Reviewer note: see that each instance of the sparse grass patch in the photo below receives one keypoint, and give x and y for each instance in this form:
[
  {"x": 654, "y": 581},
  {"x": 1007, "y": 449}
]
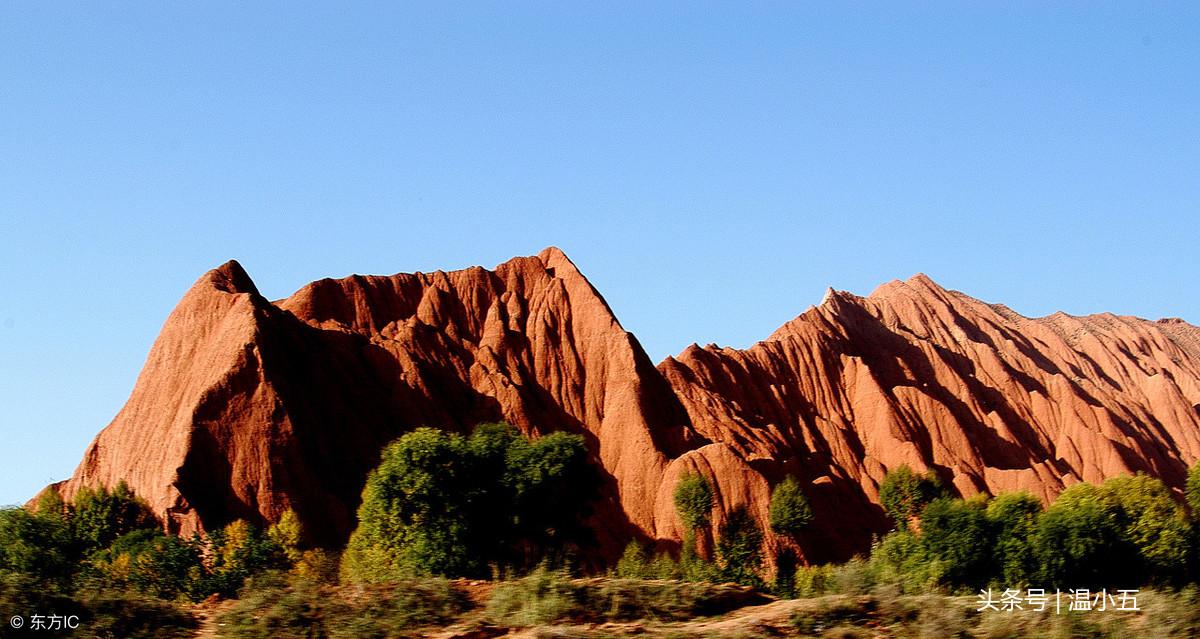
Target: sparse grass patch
[
  {"x": 276, "y": 605},
  {"x": 547, "y": 596}
]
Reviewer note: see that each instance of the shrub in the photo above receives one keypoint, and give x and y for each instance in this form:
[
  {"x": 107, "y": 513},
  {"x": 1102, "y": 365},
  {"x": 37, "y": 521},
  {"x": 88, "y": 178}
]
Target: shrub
[
  {"x": 1014, "y": 520},
  {"x": 789, "y": 510},
  {"x": 901, "y": 558},
  {"x": 693, "y": 500},
  {"x": 1079, "y": 542},
  {"x": 442, "y": 504},
  {"x": 98, "y": 516},
  {"x": 904, "y": 494},
  {"x": 151, "y": 562},
  {"x": 739, "y": 547},
  {"x": 956, "y": 532}
]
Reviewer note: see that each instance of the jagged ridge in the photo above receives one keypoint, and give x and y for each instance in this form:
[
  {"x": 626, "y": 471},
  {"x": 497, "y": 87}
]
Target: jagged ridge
[{"x": 247, "y": 407}]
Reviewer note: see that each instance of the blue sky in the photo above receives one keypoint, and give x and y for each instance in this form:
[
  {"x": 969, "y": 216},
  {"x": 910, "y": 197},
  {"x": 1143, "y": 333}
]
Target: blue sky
[{"x": 711, "y": 167}]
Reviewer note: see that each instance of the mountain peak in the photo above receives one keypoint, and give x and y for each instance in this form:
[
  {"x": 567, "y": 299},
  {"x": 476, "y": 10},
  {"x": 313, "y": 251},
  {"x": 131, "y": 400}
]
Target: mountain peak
[{"x": 232, "y": 278}]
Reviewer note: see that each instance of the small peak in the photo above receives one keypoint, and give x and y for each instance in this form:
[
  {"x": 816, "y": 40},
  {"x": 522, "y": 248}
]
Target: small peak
[
  {"x": 555, "y": 259},
  {"x": 921, "y": 279},
  {"x": 232, "y": 278}
]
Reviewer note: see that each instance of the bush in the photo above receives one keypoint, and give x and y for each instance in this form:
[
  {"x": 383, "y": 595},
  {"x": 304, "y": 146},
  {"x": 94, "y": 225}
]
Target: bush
[
  {"x": 901, "y": 558},
  {"x": 739, "y": 547},
  {"x": 1014, "y": 520},
  {"x": 442, "y": 504},
  {"x": 956, "y": 533},
  {"x": 814, "y": 581},
  {"x": 789, "y": 510},
  {"x": 904, "y": 494},
  {"x": 693, "y": 500},
  {"x": 152, "y": 563},
  {"x": 98, "y": 516}
]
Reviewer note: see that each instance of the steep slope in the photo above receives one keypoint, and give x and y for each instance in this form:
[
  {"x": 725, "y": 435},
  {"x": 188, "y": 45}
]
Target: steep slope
[
  {"x": 915, "y": 374},
  {"x": 248, "y": 407}
]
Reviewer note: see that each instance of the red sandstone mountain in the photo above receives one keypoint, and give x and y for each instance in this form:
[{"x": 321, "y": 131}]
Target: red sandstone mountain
[{"x": 246, "y": 407}]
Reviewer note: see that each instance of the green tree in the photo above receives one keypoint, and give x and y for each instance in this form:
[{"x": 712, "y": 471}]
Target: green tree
[
  {"x": 694, "y": 503},
  {"x": 902, "y": 558},
  {"x": 956, "y": 532},
  {"x": 904, "y": 493},
  {"x": 444, "y": 504},
  {"x": 694, "y": 500},
  {"x": 38, "y": 546},
  {"x": 634, "y": 562},
  {"x": 236, "y": 552},
  {"x": 161, "y": 565},
  {"x": 1080, "y": 542},
  {"x": 98, "y": 516},
  {"x": 1014, "y": 521},
  {"x": 789, "y": 511},
  {"x": 1154, "y": 523},
  {"x": 1192, "y": 490},
  {"x": 739, "y": 547}
]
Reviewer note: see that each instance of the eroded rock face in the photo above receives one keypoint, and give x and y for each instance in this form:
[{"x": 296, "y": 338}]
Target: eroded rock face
[{"x": 247, "y": 407}]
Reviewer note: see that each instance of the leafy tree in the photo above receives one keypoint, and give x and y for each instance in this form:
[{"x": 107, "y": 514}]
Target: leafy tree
[
  {"x": 1079, "y": 540},
  {"x": 38, "y": 546},
  {"x": 902, "y": 558},
  {"x": 634, "y": 562},
  {"x": 288, "y": 535},
  {"x": 98, "y": 516},
  {"x": 739, "y": 547},
  {"x": 444, "y": 504},
  {"x": 694, "y": 500},
  {"x": 904, "y": 493},
  {"x": 1192, "y": 490},
  {"x": 236, "y": 552},
  {"x": 1154, "y": 524},
  {"x": 789, "y": 511},
  {"x": 157, "y": 564},
  {"x": 956, "y": 532},
  {"x": 1014, "y": 521}
]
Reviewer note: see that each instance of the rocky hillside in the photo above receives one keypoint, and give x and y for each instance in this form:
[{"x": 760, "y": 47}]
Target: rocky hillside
[{"x": 248, "y": 407}]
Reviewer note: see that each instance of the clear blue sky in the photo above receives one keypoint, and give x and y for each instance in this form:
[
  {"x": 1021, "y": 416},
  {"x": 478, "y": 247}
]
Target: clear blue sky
[{"x": 712, "y": 168}]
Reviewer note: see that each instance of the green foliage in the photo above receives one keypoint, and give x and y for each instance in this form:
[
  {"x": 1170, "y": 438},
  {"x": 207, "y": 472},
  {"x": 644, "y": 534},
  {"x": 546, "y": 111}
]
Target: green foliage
[
  {"x": 153, "y": 563},
  {"x": 739, "y": 548},
  {"x": 234, "y": 553},
  {"x": 903, "y": 494},
  {"x": 902, "y": 558},
  {"x": 633, "y": 563},
  {"x": 956, "y": 533},
  {"x": 98, "y": 516},
  {"x": 1014, "y": 519},
  {"x": 790, "y": 512},
  {"x": 37, "y": 545},
  {"x": 1192, "y": 490},
  {"x": 443, "y": 504},
  {"x": 813, "y": 581},
  {"x": 694, "y": 500},
  {"x": 1154, "y": 523}
]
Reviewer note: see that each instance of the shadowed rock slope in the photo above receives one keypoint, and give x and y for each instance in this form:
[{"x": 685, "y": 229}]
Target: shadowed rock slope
[{"x": 247, "y": 407}]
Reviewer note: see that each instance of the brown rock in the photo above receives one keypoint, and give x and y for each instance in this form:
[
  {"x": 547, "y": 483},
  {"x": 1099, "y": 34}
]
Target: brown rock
[{"x": 246, "y": 407}]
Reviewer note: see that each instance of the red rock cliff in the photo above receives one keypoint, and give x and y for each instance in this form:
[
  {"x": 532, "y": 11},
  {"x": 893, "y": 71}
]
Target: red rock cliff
[{"x": 246, "y": 408}]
